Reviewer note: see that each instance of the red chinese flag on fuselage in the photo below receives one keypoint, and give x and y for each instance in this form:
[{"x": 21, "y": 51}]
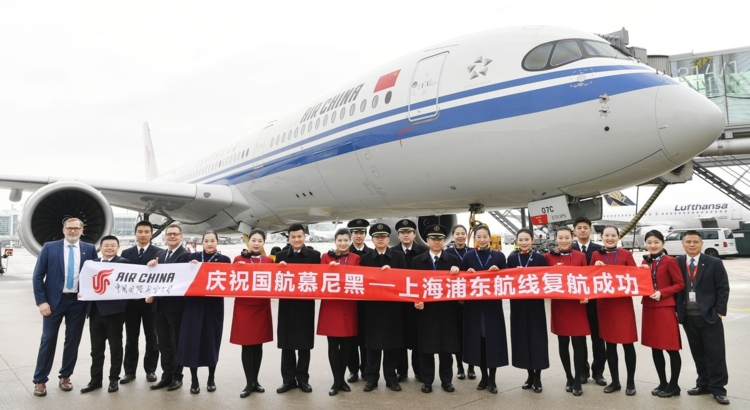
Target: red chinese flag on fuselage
[{"x": 386, "y": 81}]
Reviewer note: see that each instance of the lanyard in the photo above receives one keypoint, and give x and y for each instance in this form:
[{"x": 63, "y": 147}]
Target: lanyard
[
  {"x": 527, "y": 262},
  {"x": 251, "y": 258},
  {"x": 692, "y": 275},
  {"x": 617, "y": 253},
  {"x": 485, "y": 265},
  {"x": 654, "y": 270},
  {"x": 214, "y": 256},
  {"x": 345, "y": 260},
  {"x": 461, "y": 257}
]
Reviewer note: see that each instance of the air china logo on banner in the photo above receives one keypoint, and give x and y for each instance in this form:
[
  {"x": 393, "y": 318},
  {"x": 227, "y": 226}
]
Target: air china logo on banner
[{"x": 100, "y": 282}]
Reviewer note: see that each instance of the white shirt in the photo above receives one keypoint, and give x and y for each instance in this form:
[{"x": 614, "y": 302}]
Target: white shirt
[
  {"x": 688, "y": 257},
  {"x": 360, "y": 249},
  {"x": 581, "y": 244},
  {"x": 432, "y": 255},
  {"x": 76, "y": 266},
  {"x": 405, "y": 248}
]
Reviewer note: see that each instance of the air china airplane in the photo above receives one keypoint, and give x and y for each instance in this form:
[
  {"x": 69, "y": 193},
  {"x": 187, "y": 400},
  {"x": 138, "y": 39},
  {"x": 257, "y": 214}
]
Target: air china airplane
[{"x": 563, "y": 110}]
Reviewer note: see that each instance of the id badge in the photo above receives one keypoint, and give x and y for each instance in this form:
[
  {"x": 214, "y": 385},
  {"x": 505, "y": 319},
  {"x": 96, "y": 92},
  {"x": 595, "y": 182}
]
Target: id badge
[{"x": 691, "y": 296}]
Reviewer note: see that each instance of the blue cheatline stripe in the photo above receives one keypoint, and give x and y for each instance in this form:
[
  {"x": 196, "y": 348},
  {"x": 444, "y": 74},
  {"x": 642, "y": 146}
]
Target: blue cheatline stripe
[
  {"x": 446, "y": 98},
  {"x": 474, "y": 113}
]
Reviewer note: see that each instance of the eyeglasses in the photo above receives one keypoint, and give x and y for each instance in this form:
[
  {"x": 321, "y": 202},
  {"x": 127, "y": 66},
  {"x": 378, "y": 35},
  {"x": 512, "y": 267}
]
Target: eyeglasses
[
  {"x": 72, "y": 229},
  {"x": 173, "y": 234}
]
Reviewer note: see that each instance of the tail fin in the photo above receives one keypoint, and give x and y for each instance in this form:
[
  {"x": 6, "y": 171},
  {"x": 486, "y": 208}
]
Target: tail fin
[
  {"x": 151, "y": 170},
  {"x": 617, "y": 198}
]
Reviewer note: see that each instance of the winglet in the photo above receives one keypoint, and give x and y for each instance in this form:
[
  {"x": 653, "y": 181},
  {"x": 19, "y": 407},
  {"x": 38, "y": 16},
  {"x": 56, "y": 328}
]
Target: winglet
[
  {"x": 617, "y": 198},
  {"x": 151, "y": 170}
]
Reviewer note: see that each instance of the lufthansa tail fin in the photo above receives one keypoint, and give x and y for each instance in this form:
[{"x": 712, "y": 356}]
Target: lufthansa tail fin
[
  {"x": 151, "y": 170},
  {"x": 617, "y": 198}
]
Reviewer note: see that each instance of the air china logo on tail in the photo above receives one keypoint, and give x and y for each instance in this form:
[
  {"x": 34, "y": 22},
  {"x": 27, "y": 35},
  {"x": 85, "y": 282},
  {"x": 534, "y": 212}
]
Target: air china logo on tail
[{"x": 100, "y": 281}]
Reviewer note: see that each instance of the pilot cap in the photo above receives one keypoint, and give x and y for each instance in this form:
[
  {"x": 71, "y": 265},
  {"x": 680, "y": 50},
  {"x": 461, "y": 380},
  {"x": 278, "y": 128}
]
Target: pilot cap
[
  {"x": 436, "y": 231},
  {"x": 380, "y": 230},
  {"x": 406, "y": 225},
  {"x": 358, "y": 225}
]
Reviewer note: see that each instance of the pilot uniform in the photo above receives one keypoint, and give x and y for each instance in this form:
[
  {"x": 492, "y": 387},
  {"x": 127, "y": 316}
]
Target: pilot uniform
[{"x": 358, "y": 354}]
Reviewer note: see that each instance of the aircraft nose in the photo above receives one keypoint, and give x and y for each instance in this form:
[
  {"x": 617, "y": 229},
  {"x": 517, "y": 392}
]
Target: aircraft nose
[{"x": 687, "y": 122}]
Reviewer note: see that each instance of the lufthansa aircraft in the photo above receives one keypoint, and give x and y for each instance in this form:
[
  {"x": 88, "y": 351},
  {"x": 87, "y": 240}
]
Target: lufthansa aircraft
[{"x": 560, "y": 109}]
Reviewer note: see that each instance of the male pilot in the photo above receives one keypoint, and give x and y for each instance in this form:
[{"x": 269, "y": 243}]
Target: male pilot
[
  {"x": 138, "y": 310},
  {"x": 296, "y": 319},
  {"x": 358, "y": 355},
  {"x": 701, "y": 308},
  {"x": 55, "y": 282},
  {"x": 106, "y": 319},
  {"x": 358, "y": 228},
  {"x": 169, "y": 314},
  {"x": 407, "y": 232},
  {"x": 582, "y": 227}
]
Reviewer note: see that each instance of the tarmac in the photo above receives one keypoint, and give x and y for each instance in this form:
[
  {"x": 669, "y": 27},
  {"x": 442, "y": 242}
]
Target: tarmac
[{"x": 21, "y": 327}]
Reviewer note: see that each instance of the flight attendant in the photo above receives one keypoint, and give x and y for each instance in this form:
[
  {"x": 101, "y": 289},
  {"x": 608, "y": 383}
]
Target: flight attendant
[
  {"x": 528, "y": 318},
  {"x": 252, "y": 324},
  {"x": 660, "y": 330},
  {"x": 616, "y": 315},
  {"x": 460, "y": 249},
  {"x": 569, "y": 317},
  {"x": 437, "y": 325},
  {"x": 485, "y": 342},
  {"x": 202, "y": 323},
  {"x": 337, "y": 319},
  {"x": 358, "y": 354}
]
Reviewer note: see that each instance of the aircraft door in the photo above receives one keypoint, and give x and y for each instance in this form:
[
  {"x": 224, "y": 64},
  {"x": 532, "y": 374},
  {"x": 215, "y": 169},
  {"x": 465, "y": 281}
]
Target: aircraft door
[
  {"x": 736, "y": 211},
  {"x": 262, "y": 146},
  {"x": 425, "y": 87}
]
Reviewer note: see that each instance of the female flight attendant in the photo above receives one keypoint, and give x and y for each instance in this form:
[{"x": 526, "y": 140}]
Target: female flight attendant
[
  {"x": 616, "y": 315},
  {"x": 337, "y": 319},
  {"x": 570, "y": 320},
  {"x": 659, "y": 328},
  {"x": 460, "y": 249},
  {"x": 202, "y": 323},
  {"x": 485, "y": 342},
  {"x": 252, "y": 324},
  {"x": 528, "y": 319}
]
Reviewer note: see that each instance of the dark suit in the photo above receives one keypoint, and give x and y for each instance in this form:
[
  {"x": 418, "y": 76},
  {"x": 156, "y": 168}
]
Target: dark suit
[
  {"x": 296, "y": 324},
  {"x": 358, "y": 354},
  {"x": 106, "y": 319},
  {"x": 598, "y": 346},
  {"x": 49, "y": 283},
  {"x": 168, "y": 318},
  {"x": 409, "y": 323},
  {"x": 137, "y": 311},
  {"x": 704, "y": 328}
]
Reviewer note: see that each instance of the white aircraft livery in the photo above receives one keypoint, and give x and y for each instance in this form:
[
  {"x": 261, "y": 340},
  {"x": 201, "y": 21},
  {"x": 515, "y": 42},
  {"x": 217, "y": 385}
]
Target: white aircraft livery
[{"x": 561, "y": 109}]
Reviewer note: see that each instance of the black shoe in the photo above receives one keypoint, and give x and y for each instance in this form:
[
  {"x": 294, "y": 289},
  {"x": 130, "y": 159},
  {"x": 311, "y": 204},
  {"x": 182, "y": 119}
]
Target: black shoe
[
  {"x": 305, "y": 387},
  {"x": 448, "y": 387},
  {"x": 176, "y": 384},
  {"x": 669, "y": 393},
  {"x": 416, "y": 376},
  {"x": 613, "y": 388},
  {"x": 127, "y": 379},
  {"x": 345, "y": 387},
  {"x": 537, "y": 386},
  {"x": 113, "y": 386},
  {"x": 162, "y": 384},
  {"x": 698, "y": 390},
  {"x": 492, "y": 389},
  {"x": 721, "y": 399},
  {"x": 529, "y": 383},
  {"x": 630, "y": 391},
  {"x": 334, "y": 391},
  {"x": 584, "y": 379},
  {"x": 461, "y": 376},
  {"x": 370, "y": 386},
  {"x": 658, "y": 389},
  {"x": 195, "y": 390},
  {"x": 393, "y": 386},
  {"x": 246, "y": 392},
  {"x": 286, "y": 387},
  {"x": 577, "y": 392},
  {"x": 151, "y": 377},
  {"x": 352, "y": 378},
  {"x": 569, "y": 386},
  {"x": 482, "y": 385},
  {"x": 402, "y": 377},
  {"x": 600, "y": 380},
  {"x": 258, "y": 388},
  {"x": 472, "y": 375},
  {"x": 91, "y": 387},
  {"x": 426, "y": 388},
  {"x": 210, "y": 386}
]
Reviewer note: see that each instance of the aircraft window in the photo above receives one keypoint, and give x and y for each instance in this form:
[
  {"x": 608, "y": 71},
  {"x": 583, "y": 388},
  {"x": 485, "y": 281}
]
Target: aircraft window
[
  {"x": 289, "y": 133},
  {"x": 283, "y": 137},
  {"x": 302, "y": 130},
  {"x": 363, "y": 106},
  {"x": 333, "y": 117},
  {"x": 352, "y": 108},
  {"x": 296, "y": 130},
  {"x": 325, "y": 120},
  {"x": 600, "y": 49},
  {"x": 538, "y": 57},
  {"x": 317, "y": 123},
  {"x": 309, "y": 127},
  {"x": 374, "y": 101},
  {"x": 565, "y": 52},
  {"x": 388, "y": 97},
  {"x": 278, "y": 139},
  {"x": 343, "y": 113}
]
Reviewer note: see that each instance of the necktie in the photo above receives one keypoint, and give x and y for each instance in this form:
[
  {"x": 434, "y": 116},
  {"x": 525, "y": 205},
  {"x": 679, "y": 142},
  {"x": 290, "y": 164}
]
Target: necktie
[
  {"x": 169, "y": 255},
  {"x": 140, "y": 252},
  {"x": 436, "y": 259},
  {"x": 583, "y": 248},
  {"x": 71, "y": 266},
  {"x": 692, "y": 267}
]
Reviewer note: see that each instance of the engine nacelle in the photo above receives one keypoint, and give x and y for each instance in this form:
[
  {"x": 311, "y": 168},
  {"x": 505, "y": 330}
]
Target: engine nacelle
[{"x": 44, "y": 211}]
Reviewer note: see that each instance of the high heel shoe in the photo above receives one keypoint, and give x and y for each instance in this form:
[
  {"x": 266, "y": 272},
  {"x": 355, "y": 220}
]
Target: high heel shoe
[
  {"x": 195, "y": 388},
  {"x": 471, "y": 374},
  {"x": 246, "y": 392},
  {"x": 569, "y": 386},
  {"x": 211, "y": 386},
  {"x": 669, "y": 392},
  {"x": 658, "y": 389},
  {"x": 537, "y": 386},
  {"x": 613, "y": 387},
  {"x": 258, "y": 388},
  {"x": 528, "y": 383},
  {"x": 482, "y": 385}
]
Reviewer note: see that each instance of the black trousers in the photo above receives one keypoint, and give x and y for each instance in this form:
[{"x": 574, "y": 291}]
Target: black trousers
[
  {"x": 168, "y": 332},
  {"x": 402, "y": 368},
  {"x": 357, "y": 352},
  {"x": 295, "y": 370},
  {"x": 706, "y": 342},
  {"x": 103, "y": 329},
  {"x": 137, "y": 311},
  {"x": 427, "y": 364},
  {"x": 390, "y": 359},
  {"x": 598, "y": 345},
  {"x": 339, "y": 349}
]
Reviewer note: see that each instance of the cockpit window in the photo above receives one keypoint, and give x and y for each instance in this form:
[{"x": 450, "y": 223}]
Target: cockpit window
[
  {"x": 558, "y": 53},
  {"x": 565, "y": 52}
]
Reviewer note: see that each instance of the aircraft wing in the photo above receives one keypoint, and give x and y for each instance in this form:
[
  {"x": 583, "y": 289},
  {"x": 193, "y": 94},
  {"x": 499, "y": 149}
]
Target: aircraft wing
[
  {"x": 191, "y": 203},
  {"x": 661, "y": 223}
]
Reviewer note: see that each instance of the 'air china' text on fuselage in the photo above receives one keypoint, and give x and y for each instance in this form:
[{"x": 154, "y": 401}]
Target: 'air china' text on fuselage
[{"x": 332, "y": 103}]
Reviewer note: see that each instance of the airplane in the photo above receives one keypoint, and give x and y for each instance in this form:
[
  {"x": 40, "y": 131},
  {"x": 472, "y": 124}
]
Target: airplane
[{"x": 564, "y": 110}]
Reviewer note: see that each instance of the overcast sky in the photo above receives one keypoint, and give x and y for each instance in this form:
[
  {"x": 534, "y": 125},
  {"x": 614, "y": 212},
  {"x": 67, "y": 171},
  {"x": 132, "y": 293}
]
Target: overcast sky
[{"x": 78, "y": 78}]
